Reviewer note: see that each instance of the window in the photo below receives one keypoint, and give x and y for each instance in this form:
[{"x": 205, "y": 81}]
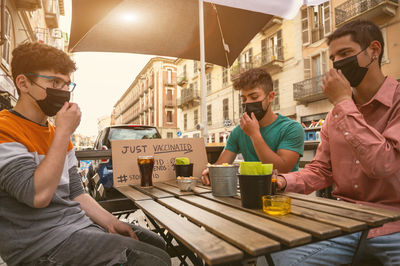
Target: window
[
  {"x": 184, "y": 71},
  {"x": 319, "y": 23},
  {"x": 5, "y": 49},
  {"x": 225, "y": 109},
  {"x": 271, "y": 48},
  {"x": 208, "y": 82},
  {"x": 170, "y": 135},
  {"x": 224, "y": 75},
  {"x": 195, "y": 67},
  {"x": 316, "y": 65},
  {"x": 169, "y": 76},
  {"x": 209, "y": 115},
  {"x": 185, "y": 122},
  {"x": 169, "y": 97},
  {"x": 246, "y": 59},
  {"x": 169, "y": 116},
  {"x": 196, "y": 117},
  {"x": 275, "y": 104}
]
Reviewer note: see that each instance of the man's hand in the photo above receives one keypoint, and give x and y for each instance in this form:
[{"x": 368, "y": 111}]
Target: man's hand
[
  {"x": 336, "y": 87},
  {"x": 249, "y": 125},
  {"x": 118, "y": 227},
  {"x": 68, "y": 118},
  {"x": 205, "y": 179},
  {"x": 280, "y": 180}
]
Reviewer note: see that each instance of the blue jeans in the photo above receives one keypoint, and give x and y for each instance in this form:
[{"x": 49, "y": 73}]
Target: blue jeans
[
  {"x": 93, "y": 246},
  {"x": 340, "y": 250}
]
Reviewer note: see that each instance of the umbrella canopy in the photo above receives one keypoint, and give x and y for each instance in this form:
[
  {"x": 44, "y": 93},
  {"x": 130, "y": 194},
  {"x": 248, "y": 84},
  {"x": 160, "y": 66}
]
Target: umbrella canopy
[{"x": 163, "y": 27}]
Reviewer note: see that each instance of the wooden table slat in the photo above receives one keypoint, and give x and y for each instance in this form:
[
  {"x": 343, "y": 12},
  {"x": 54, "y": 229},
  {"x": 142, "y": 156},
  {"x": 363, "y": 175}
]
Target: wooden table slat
[
  {"x": 211, "y": 248},
  {"x": 251, "y": 242},
  {"x": 132, "y": 193},
  {"x": 284, "y": 234},
  {"x": 317, "y": 229},
  {"x": 372, "y": 220},
  {"x": 347, "y": 205},
  {"x": 346, "y": 224},
  {"x": 153, "y": 192}
]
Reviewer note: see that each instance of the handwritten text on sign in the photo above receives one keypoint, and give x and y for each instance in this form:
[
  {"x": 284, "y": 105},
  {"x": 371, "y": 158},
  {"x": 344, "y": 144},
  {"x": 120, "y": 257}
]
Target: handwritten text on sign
[{"x": 125, "y": 153}]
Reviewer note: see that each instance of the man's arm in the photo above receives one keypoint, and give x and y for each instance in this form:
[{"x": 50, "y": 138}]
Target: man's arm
[
  {"x": 48, "y": 173},
  {"x": 226, "y": 156}
]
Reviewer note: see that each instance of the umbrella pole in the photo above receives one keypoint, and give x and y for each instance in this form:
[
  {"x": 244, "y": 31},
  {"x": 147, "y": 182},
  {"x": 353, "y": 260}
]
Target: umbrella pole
[{"x": 203, "y": 73}]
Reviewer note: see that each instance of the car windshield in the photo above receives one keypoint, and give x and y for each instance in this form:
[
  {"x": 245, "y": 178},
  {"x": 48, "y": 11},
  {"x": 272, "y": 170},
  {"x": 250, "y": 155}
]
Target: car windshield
[{"x": 133, "y": 133}]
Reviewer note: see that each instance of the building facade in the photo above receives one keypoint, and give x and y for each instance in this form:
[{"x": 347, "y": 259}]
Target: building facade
[
  {"x": 151, "y": 99},
  {"x": 26, "y": 20}
]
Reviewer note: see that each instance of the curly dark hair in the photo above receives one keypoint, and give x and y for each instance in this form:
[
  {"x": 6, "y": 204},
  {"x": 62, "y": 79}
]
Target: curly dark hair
[
  {"x": 362, "y": 32},
  {"x": 31, "y": 57},
  {"x": 255, "y": 77}
]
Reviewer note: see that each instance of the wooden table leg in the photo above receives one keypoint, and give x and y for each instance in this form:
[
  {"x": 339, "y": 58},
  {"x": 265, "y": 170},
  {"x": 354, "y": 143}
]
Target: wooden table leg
[{"x": 360, "y": 247}]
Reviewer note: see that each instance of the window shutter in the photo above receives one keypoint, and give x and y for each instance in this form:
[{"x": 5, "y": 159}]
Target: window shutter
[
  {"x": 279, "y": 44},
  {"x": 276, "y": 98},
  {"x": 325, "y": 61},
  {"x": 307, "y": 67},
  {"x": 264, "y": 51},
  {"x": 327, "y": 18},
  {"x": 304, "y": 26}
]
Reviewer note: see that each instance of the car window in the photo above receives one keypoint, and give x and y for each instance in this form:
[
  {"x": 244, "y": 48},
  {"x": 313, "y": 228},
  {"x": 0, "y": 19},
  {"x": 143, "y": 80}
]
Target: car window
[{"x": 133, "y": 133}]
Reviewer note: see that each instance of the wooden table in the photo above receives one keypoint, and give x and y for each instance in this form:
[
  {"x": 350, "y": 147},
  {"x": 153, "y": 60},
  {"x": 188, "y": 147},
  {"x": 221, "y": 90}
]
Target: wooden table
[{"x": 217, "y": 230}]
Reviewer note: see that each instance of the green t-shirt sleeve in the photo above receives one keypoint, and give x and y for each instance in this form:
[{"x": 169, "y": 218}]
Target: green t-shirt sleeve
[
  {"x": 232, "y": 144},
  {"x": 293, "y": 139}
]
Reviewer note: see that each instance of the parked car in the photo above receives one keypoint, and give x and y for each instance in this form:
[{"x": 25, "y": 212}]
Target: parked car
[{"x": 104, "y": 168}]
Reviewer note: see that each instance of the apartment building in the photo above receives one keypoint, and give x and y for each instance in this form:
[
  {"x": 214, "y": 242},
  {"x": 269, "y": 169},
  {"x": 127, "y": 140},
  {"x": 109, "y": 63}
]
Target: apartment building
[
  {"x": 220, "y": 96},
  {"x": 26, "y": 20},
  {"x": 151, "y": 98}
]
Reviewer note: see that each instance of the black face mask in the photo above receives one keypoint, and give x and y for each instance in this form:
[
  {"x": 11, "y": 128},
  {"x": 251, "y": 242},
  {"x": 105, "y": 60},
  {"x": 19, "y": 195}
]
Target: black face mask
[
  {"x": 350, "y": 68},
  {"x": 54, "y": 101},
  {"x": 256, "y": 108}
]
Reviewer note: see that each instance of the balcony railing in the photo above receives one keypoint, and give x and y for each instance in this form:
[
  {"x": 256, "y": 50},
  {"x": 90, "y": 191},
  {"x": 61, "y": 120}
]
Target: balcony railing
[
  {"x": 308, "y": 90},
  {"x": 238, "y": 69},
  {"x": 317, "y": 34},
  {"x": 51, "y": 13},
  {"x": 169, "y": 103},
  {"x": 188, "y": 95},
  {"x": 364, "y": 9},
  {"x": 28, "y": 4}
]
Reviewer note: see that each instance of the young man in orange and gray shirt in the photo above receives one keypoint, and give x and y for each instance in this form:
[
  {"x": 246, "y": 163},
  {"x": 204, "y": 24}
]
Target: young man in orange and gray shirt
[{"x": 359, "y": 150}]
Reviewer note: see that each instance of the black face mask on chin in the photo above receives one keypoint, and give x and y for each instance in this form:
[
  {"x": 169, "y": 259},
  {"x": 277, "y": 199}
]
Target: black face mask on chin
[
  {"x": 256, "y": 108},
  {"x": 350, "y": 68}
]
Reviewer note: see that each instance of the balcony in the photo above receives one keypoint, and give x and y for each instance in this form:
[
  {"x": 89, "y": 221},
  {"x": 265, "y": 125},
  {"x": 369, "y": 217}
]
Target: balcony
[
  {"x": 189, "y": 96},
  {"x": 169, "y": 103},
  {"x": 238, "y": 69},
  {"x": 182, "y": 80},
  {"x": 29, "y": 5},
  {"x": 364, "y": 9},
  {"x": 308, "y": 90},
  {"x": 271, "y": 60},
  {"x": 51, "y": 13}
]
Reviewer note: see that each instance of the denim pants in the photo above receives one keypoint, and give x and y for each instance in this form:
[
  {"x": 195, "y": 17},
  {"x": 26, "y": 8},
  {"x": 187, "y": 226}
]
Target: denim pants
[
  {"x": 94, "y": 246},
  {"x": 340, "y": 250}
]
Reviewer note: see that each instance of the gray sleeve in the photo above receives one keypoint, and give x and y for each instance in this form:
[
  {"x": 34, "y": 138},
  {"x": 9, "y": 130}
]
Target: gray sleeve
[
  {"x": 75, "y": 183},
  {"x": 17, "y": 168}
]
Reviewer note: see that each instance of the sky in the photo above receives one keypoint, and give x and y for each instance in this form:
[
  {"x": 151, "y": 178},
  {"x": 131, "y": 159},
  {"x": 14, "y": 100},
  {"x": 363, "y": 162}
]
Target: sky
[{"x": 101, "y": 78}]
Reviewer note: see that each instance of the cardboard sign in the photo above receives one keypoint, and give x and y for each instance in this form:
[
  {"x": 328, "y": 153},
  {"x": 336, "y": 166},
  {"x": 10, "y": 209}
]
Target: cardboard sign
[{"x": 125, "y": 153}]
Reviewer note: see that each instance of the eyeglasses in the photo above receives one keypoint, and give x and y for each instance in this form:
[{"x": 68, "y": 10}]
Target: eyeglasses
[{"x": 58, "y": 83}]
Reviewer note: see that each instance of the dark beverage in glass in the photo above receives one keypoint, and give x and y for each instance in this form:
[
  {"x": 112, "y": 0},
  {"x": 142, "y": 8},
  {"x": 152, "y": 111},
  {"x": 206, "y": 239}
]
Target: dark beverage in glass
[{"x": 146, "y": 164}]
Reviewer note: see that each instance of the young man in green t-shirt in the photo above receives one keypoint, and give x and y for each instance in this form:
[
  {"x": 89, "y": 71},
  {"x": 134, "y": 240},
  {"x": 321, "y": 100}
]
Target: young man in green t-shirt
[{"x": 262, "y": 135}]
